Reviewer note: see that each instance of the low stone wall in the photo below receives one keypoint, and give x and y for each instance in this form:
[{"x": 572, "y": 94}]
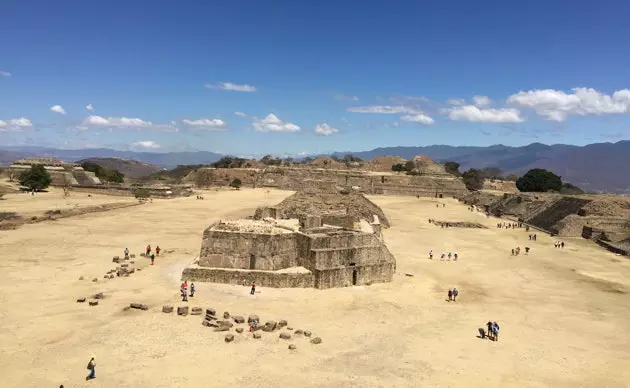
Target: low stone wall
[{"x": 240, "y": 277}]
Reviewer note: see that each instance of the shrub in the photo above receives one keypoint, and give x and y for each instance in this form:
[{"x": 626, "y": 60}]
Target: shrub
[
  {"x": 539, "y": 180},
  {"x": 399, "y": 167},
  {"x": 103, "y": 173},
  {"x": 452, "y": 168},
  {"x": 473, "y": 179},
  {"x": 236, "y": 183},
  {"x": 141, "y": 193},
  {"x": 37, "y": 178}
]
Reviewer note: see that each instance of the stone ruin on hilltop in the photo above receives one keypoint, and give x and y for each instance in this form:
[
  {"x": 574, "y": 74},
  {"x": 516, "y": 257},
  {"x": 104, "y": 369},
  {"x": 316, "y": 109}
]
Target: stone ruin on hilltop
[{"x": 312, "y": 239}]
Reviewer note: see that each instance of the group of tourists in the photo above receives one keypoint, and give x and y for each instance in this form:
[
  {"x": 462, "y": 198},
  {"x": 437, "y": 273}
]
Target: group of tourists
[
  {"x": 151, "y": 255},
  {"x": 444, "y": 256},
  {"x": 452, "y": 294},
  {"x": 492, "y": 331},
  {"x": 509, "y": 225},
  {"x": 517, "y": 251},
  {"x": 559, "y": 244},
  {"x": 184, "y": 290},
  {"x": 200, "y": 197},
  {"x": 532, "y": 236}
]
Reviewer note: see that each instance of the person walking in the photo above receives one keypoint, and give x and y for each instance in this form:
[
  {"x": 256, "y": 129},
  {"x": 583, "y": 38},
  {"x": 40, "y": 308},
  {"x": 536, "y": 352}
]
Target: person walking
[
  {"x": 431, "y": 254},
  {"x": 562, "y": 244},
  {"x": 455, "y": 293},
  {"x": 449, "y": 255},
  {"x": 184, "y": 295},
  {"x": 192, "y": 290},
  {"x": 495, "y": 331},
  {"x": 126, "y": 253},
  {"x": 253, "y": 290},
  {"x": 152, "y": 258},
  {"x": 148, "y": 250},
  {"x": 450, "y": 295},
  {"x": 92, "y": 368},
  {"x": 157, "y": 250}
]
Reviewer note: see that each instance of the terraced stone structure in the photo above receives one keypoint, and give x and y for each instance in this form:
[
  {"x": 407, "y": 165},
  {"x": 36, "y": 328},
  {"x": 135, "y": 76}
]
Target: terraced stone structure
[
  {"x": 61, "y": 173},
  {"x": 307, "y": 246}
]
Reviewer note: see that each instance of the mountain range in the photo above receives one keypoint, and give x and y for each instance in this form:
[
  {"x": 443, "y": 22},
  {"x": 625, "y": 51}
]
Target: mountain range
[{"x": 600, "y": 167}]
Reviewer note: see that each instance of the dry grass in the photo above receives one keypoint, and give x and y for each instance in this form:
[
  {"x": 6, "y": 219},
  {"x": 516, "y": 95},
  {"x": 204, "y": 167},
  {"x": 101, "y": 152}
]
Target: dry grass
[{"x": 564, "y": 314}]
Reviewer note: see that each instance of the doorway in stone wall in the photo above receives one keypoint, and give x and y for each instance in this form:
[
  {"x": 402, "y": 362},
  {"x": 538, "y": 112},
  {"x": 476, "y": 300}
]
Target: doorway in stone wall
[
  {"x": 252, "y": 261},
  {"x": 354, "y": 276}
]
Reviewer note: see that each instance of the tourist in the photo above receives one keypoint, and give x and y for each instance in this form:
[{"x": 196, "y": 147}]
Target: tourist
[
  {"x": 253, "y": 290},
  {"x": 526, "y": 250},
  {"x": 92, "y": 368},
  {"x": 148, "y": 249},
  {"x": 449, "y": 255},
  {"x": 562, "y": 244},
  {"x": 192, "y": 290},
  {"x": 530, "y": 236},
  {"x": 495, "y": 331},
  {"x": 490, "y": 331},
  {"x": 157, "y": 250},
  {"x": 126, "y": 253},
  {"x": 455, "y": 293},
  {"x": 534, "y": 236},
  {"x": 184, "y": 295},
  {"x": 512, "y": 251},
  {"x": 442, "y": 256},
  {"x": 450, "y": 295},
  {"x": 152, "y": 258},
  {"x": 431, "y": 254},
  {"x": 455, "y": 256}
]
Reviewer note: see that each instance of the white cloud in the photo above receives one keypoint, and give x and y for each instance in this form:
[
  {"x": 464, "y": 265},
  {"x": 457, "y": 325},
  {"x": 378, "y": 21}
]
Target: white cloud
[
  {"x": 146, "y": 144},
  {"x": 126, "y": 123},
  {"x": 325, "y": 129},
  {"x": 556, "y": 105},
  {"x": 343, "y": 97},
  {"x": 231, "y": 86},
  {"x": 5, "y": 74},
  {"x": 89, "y": 107},
  {"x": 455, "y": 101},
  {"x": 209, "y": 124},
  {"x": 240, "y": 114},
  {"x": 382, "y": 109},
  {"x": 272, "y": 123},
  {"x": 475, "y": 114},
  {"x": 15, "y": 124},
  {"x": 419, "y": 118},
  {"x": 58, "y": 109},
  {"x": 482, "y": 101}
]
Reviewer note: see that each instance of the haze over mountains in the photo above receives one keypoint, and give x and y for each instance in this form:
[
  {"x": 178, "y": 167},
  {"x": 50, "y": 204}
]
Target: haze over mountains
[{"x": 600, "y": 167}]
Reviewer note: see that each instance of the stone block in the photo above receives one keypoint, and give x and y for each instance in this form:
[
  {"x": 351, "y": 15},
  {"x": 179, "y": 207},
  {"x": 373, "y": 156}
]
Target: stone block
[
  {"x": 239, "y": 330},
  {"x": 229, "y": 337},
  {"x": 209, "y": 323},
  {"x": 270, "y": 326},
  {"x": 285, "y": 336},
  {"x": 238, "y": 319},
  {"x": 211, "y": 311},
  {"x": 95, "y": 280},
  {"x": 225, "y": 323},
  {"x": 98, "y": 296},
  {"x": 196, "y": 311},
  {"x": 253, "y": 318},
  {"x": 257, "y": 335},
  {"x": 222, "y": 328},
  {"x": 167, "y": 309},
  {"x": 292, "y": 347},
  {"x": 226, "y": 315},
  {"x": 282, "y": 323},
  {"x": 81, "y": 300},
  {"x": 93, "y": 303},
  {"x": 139, "y": 306},
  {"x": 182, "y": 310},
  {"x": 307, "y": 333},
  {"x": 316, "y": 340}
]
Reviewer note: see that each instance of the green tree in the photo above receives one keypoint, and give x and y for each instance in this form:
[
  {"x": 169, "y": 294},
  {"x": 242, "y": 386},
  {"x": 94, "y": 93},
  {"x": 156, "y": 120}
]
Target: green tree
[
  {"x": 37, "y": 178},
  {"x": 539, "y": 180},
  {"x": 141, "y": 193},
  {"x": 103, "y": 173},
  {"x": 473, "y": 179},
  {"x": 236, "y": 183},
  {"x": 399, "y": 167},
  {"x": 452, "y": 168},
  {"x": 269, "y": 160},
  {"x": 229, "y": 162}
]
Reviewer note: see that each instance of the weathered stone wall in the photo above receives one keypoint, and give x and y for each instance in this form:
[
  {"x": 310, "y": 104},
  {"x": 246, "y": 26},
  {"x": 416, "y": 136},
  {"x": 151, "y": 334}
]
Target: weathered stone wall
[
  {"x": 345, "y": 277},
  {"x": 239, "y": 277},
  {"x": 235, "y": 249}
]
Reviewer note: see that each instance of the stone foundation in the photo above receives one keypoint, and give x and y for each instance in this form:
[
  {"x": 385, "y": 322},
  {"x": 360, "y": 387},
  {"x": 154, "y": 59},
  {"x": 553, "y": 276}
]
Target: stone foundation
[{"x": 272, "y": 279}]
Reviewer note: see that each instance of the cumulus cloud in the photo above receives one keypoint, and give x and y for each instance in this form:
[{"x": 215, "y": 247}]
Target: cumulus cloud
[
  {"x": 556, "y": 105},
  {"x": 272, "y": 123},
  {"x": 476, "y": 114},
  {"x": 231, "y": 86},
  {"x": 5, "y": 74},
  {"x": 89, "y": 107},
  {"x": 207, "y": 124},
  {"x": 149, "y": 144},
  {"x": 126, "y": 123},
  {"x": 456, "y": 101},
  {"x": 419, "y": 118},
  {"x": 240, "y": 114},
  {"x": 15, "y": 124},
  {"x": 58, "y": 109},
  {"x": 382, "y": 109},
  {"x": 482, "y": 101},
  {"x": 325, "y": 129}
]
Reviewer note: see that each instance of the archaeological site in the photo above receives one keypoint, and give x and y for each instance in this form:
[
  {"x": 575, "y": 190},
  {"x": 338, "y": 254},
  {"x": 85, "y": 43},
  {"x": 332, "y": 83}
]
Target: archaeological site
[{"x": 321, "y": 237}]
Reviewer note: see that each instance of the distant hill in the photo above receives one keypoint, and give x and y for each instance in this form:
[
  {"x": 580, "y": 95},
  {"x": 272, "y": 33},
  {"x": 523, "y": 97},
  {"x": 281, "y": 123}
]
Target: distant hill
[
  {"x": 130, "y": 168},
  {"x": 601, "y": 167}
]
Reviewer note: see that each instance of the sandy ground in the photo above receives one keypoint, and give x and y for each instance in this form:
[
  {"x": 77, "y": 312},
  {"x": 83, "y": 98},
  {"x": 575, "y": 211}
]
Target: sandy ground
[{"x": 564, "y": 315}]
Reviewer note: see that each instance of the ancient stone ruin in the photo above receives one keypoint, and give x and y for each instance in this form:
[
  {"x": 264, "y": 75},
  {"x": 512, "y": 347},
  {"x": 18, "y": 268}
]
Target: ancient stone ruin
[{"x": 319, "y": 237}]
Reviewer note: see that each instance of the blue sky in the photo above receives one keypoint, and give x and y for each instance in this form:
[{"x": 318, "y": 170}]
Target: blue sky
[{"x": 295, "y": 77}]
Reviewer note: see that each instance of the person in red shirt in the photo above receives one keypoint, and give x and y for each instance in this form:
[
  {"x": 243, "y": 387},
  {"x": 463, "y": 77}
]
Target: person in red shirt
[
  {"x": 157, "y": 250},
  {"x": 148, "y": 249}
]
